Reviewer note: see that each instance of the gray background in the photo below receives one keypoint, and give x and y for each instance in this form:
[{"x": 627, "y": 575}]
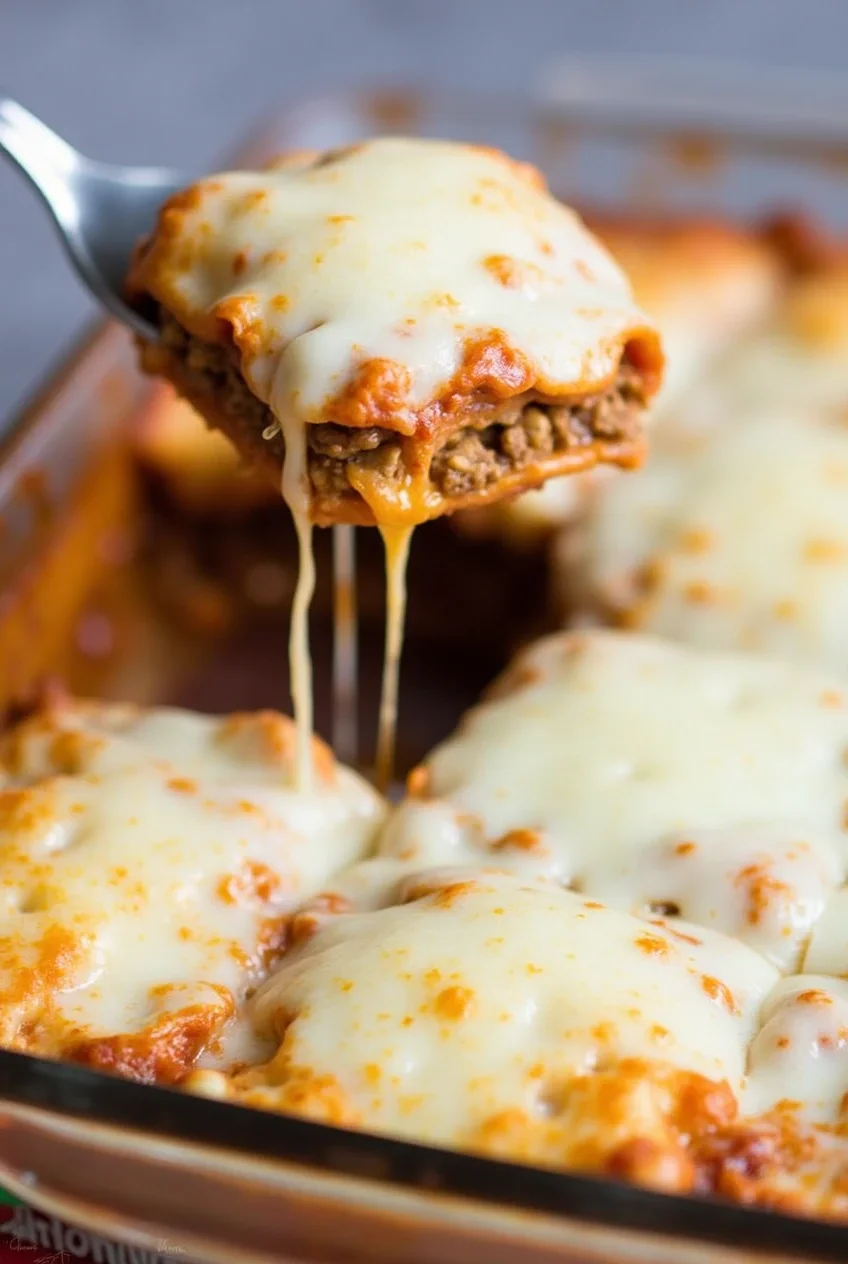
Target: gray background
[{"x": 177, "y": 81}]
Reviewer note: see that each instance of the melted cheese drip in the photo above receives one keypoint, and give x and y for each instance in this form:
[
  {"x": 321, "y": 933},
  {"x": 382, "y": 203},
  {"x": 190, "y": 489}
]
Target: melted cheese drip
[
  {"x": 396, "y": 541},
  {"x": 345, "y": 647},
  {"x": 296, "y": 494}
]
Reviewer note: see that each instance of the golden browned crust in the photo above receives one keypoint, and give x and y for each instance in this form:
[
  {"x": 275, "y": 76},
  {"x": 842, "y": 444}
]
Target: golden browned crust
[{"x": 163, "y": 1052}]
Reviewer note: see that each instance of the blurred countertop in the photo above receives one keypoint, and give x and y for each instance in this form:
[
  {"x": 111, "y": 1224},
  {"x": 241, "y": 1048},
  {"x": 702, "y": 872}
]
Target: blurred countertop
[{"x": 178, "y": 81}]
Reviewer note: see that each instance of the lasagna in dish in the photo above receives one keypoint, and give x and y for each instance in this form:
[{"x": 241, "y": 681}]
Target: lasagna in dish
[
  {"x": 605, "y": 930},
  {"x": 483, "y": 1010},
  {"x": 150, "y": 860},
  {"x": 418, "y": 326},
  {"x": 735, "y": 535},
  {"x": 659, "y": 779},
  {"x": 706, "y": 284}
]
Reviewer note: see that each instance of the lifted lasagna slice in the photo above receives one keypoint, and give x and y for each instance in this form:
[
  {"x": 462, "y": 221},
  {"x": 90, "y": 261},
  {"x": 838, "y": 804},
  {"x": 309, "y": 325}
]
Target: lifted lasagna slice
[
  {"x": 417, "y": 325},
  {"x": 150, "y": 860}
]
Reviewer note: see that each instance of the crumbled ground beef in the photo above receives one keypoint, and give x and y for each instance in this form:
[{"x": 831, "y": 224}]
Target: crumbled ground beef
[{"x": 471, "y": 460}]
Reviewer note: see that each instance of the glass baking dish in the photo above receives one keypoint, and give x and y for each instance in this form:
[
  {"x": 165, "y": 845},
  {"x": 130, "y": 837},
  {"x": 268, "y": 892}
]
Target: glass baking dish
[{"x": 179, "y": 1174}]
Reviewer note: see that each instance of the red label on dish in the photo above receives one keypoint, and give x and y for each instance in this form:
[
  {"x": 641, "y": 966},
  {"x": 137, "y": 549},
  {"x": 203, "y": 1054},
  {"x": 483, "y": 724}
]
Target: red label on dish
[{"x": 28, "y": 1236}]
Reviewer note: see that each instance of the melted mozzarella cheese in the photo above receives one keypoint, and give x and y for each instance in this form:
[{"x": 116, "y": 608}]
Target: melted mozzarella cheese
[
  {"x": 827, "y": 951},
  {"x": 735, "y": 533},
  {"x": 706, "y": 285},
  {"x": 800, "y": 361},
  {"x": 653, "y": 776},
  {"x": 799, "y": 1058},
  {"x": 737, "y": 539},
  {"x": 487, "y": 1010},
  {"x": 149, "y": 861},
  {"x": 399, "y": 254}
]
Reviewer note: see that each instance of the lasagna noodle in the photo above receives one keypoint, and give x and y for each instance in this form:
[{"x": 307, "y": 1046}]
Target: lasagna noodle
[{"x": 151, "y": 860}]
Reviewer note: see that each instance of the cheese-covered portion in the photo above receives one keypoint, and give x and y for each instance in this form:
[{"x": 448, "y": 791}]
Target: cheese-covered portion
[
  {"x": 369, "y": 284},
  {"x": 736, "y": 538},
  {"x": 799, "y": 1058},
  {"x": 148, "y": 864},
  {"x": 788, "y": 1151},
  {"x": 705, "y": 284},
  {"x": 800, "y": 359},
  {"x": 514, "y": 1017},
  {"x": 827, "y": 951},
  {"x": 659, "y": 778},
  {"x": 735, "y": 533}
]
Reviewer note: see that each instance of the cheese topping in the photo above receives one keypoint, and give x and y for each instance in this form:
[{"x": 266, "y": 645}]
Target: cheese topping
[
  {"x": 487, "y": 1010},
  {"x": 706, "y": 285},
  {"x": 800, "y": 361},
  {"x": 363, "y": 285},
  {"x": 827, "y": 951},
  {"x": 652, "y": 776},
  {"x": 735, "y": 533},
  {"x": 736, "y": 540},
  {"x": 800, "y": 1054},
  {"x": 149, "y": 862}
]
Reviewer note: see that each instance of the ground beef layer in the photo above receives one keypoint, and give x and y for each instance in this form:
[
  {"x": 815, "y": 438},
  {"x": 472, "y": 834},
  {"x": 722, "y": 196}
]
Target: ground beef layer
[{"x": 472, "y": 460}]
